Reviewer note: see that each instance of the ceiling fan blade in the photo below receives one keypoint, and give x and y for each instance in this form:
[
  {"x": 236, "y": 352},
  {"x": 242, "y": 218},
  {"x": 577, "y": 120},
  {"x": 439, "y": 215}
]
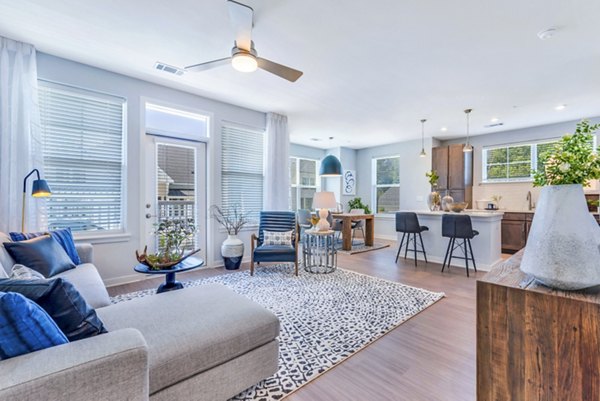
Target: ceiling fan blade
[
  {"x": 280, "y": 70},
  {"x": 208, "y": 65},
  {"x": 242, "y": 20}
]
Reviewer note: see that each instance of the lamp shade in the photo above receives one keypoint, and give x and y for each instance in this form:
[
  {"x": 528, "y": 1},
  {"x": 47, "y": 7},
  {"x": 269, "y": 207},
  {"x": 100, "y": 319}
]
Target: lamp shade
[
  {"x": 330, "y": 166},
  {"x": 40, "y": 189},
  {"x": 324, "y": 200}
]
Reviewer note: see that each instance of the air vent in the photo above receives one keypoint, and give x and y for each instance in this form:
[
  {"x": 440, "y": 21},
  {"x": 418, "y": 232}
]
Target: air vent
[
  {"x": 168, "y": 68},
  {"x": 493, "y": 125}
]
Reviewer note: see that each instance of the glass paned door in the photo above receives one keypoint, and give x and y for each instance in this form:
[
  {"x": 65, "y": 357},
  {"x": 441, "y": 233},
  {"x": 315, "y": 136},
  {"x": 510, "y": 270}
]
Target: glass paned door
[{"x": 176, "y": 190}]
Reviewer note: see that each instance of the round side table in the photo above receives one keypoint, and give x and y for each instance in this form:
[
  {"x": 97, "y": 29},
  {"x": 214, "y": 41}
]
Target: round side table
[
  {"x": 318, "y": 251},
  {"x": 170, "y": 283}
]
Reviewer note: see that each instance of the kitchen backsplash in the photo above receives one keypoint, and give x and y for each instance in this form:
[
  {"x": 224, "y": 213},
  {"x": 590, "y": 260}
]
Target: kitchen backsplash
[{"x": 514, "y": 195}]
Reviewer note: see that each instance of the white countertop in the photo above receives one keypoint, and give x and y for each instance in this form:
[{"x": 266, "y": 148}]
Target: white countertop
[{"x": 468, "y": 212}]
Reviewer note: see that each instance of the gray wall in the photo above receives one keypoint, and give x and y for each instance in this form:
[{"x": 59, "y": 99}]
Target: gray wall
[
  {"x": 306, "y": 152},
  {"x": 115, "y": 256},
  {"x": 414, "y": 187},
  {"x": 514, "y": 195}
]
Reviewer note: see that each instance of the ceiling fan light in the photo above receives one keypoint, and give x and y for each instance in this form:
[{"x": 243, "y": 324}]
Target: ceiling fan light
[{"x": 244, "y": 62}]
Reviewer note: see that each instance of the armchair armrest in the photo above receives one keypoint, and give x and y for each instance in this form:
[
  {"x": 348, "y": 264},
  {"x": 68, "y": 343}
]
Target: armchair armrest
[
  {"x": 85, "y": 252},
  {"x": 109, "y": 366},
  {"x": 253, "y": 242}
]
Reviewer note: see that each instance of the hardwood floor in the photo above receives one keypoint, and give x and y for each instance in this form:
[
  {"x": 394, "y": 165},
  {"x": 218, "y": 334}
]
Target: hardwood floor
[{"x": 431, "y": 357}]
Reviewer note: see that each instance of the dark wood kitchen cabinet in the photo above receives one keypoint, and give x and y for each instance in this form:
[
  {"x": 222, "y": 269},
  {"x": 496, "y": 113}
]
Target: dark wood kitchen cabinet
[
  {"x": 439, "y": 163},
  {"x": 455, "y": 169},
  {"x": 515, "y": 230}
]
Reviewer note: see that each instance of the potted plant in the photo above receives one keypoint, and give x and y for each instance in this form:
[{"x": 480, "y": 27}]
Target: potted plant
[
  {"x": 563, "y": 248},
  {"x": 357, "y": 203},
  {"x": 433, "y": 199},
  {"x": 233, "y": 220},
  {"x": 172, "y": 235}
]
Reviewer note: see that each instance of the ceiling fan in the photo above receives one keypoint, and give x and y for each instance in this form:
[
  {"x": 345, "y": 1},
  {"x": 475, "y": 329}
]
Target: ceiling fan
[{"x": 243, "y": 55}]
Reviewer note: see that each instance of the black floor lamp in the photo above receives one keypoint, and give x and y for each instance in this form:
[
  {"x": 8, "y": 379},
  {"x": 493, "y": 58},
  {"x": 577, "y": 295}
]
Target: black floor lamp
[{"x": 39, "y": 189}]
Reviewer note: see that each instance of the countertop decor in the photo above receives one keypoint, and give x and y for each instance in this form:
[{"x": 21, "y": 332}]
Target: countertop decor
[{"x": 563, "y": 247}]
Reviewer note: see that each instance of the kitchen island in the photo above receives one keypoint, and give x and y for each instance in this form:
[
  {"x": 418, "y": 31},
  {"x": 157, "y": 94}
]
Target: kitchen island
[{"x": 486, "y": 246}]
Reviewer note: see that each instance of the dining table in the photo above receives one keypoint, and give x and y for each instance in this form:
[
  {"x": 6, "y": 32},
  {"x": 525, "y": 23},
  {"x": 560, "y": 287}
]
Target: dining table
[{"x": 347, "y": 219}]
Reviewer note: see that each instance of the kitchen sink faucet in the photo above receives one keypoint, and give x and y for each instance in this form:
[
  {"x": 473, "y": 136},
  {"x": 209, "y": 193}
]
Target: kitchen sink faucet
[{"x": 531, "y": 204}]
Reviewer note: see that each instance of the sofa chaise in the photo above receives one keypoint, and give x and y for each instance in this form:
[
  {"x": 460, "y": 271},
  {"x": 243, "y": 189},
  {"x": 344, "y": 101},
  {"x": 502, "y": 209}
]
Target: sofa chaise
[{"x": 199, "y": 343}]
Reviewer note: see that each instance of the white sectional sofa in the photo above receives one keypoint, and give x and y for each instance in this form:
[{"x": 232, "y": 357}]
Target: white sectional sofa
[{"x": 201, "y": 343}]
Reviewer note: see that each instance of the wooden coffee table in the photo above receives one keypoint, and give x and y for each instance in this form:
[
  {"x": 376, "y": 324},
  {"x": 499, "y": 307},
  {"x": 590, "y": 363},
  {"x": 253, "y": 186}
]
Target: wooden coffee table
[{"x": 170, "y": 283}]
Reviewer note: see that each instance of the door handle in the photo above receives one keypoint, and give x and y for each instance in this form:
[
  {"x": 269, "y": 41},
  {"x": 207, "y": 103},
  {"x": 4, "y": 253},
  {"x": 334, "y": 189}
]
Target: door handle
[{"x": 149, "y": 216}]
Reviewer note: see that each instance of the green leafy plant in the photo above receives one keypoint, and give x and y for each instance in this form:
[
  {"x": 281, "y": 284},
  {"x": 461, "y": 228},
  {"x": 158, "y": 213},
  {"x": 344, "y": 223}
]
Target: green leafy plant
[
  {"x": 172, "y": 237},
  {"x": 357, "y": 203},
  {"x": 571, "y": 160},
  {"x": 432, "y": 177}
]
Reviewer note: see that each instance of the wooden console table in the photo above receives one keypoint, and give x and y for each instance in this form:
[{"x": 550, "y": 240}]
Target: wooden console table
[{"x": 535, "y": 343}]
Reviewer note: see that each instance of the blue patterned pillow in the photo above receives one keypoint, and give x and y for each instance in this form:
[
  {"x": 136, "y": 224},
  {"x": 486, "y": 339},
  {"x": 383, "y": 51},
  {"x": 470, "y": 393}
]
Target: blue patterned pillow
[
  {"x": 63, "y": 236},
  {"x": 25, "y": 327},
  {"x": 278, "y": 237}
]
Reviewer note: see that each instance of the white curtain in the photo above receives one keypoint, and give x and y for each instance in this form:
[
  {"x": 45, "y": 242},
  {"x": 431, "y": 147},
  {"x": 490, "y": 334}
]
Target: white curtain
[
  {"x": 277, "y": 165},
  {"x": 20, "y": 135}
]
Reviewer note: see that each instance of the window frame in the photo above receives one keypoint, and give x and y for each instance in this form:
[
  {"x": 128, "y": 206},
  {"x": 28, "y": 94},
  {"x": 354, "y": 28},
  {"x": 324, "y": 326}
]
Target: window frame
[
  {"x": 99, "y": 236},
  {"x": 375, "y": 186},
  {"x": 533, "y": 161},
  {"x": 299, "y": 186}
]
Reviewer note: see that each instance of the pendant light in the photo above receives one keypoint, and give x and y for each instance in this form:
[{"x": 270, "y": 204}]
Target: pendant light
[
  {"x": 330, "y": 167},
  {"x": 468, "y": 147},
  {"x": 423, "y": 154}
]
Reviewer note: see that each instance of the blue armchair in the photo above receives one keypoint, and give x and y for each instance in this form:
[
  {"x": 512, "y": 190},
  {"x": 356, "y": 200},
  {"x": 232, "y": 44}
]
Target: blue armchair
[{"x": 275, "y": 221}]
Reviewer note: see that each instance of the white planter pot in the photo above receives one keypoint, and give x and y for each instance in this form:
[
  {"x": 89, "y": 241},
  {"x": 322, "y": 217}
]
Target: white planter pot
[
  {"x": 232, "y": 251},
  {"x": 563, "y": 248}
]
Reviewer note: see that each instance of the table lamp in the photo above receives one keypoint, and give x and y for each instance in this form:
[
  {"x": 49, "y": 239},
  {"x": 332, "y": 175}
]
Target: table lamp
[
  {"x": 39, "y": 189},
  {"x": 324, "y": 201}
]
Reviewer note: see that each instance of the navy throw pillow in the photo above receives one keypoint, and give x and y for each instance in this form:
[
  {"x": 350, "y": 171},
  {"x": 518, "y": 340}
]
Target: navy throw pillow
[
  {"x": 42, "y": 254},
  {"x": 61, "y": 300},
  {"x": 63, "y": 236},
  {"x": 25, "y": 327}
]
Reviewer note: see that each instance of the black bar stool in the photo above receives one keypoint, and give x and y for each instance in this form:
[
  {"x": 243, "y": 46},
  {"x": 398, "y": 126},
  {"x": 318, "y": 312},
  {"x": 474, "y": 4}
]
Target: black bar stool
[
  {"x": 407, "y": 223},
  {"x": 458, "y": 226}
]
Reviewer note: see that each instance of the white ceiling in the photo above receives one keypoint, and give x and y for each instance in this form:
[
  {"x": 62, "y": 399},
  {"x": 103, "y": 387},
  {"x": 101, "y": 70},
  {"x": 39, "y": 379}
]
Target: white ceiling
[{"x": 372, "y": 69}]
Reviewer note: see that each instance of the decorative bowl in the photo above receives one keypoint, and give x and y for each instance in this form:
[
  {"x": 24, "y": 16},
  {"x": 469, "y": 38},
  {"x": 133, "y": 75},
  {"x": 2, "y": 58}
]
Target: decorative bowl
[{"x": 457, "y": 206}]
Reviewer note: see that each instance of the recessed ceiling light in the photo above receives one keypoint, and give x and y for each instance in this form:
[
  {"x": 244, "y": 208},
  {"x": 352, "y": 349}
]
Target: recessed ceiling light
[
  {"x": 560, "y": 107},
  {"x": 315, "y": 139},
  {"x": 495, "y": 119},
  {"x": 444, "y": 129},
  {"x": 547, "y": 33}
]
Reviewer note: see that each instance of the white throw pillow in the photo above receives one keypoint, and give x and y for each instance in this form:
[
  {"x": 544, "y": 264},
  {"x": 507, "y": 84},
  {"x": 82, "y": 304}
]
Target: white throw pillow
[
  {"x": 278, "y": 237},
  {"x": 20, "y": 272}
]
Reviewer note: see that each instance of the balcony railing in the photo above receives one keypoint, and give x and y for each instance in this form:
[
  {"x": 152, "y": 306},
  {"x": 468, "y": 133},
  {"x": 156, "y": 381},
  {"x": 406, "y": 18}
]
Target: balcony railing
[{"x": 179, "y": 210}]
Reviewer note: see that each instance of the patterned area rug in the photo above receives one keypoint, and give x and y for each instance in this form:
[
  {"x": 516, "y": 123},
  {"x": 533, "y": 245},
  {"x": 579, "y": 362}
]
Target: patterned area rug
[{"x": 325, "y": 318}]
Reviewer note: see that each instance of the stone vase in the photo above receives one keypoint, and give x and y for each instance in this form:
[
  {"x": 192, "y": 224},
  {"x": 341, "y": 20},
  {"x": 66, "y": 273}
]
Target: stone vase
[
  {"x": 447, "y": 199},
  {"x": 563, "y": 248},
  {"x": 232, "y": 251}
]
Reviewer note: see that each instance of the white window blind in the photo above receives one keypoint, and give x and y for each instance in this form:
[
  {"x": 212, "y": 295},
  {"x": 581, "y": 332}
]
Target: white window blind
[
  {"x": 83, "y": 157},
  {"x": 242, "y": 155}
]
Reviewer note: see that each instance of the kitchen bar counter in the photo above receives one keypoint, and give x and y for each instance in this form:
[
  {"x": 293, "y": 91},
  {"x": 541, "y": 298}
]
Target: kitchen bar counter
[{"x": 486, "y": 246}]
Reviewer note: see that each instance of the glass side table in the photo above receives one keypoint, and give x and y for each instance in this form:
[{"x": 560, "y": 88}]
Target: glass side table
[{"x": 318, "y": 251}]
